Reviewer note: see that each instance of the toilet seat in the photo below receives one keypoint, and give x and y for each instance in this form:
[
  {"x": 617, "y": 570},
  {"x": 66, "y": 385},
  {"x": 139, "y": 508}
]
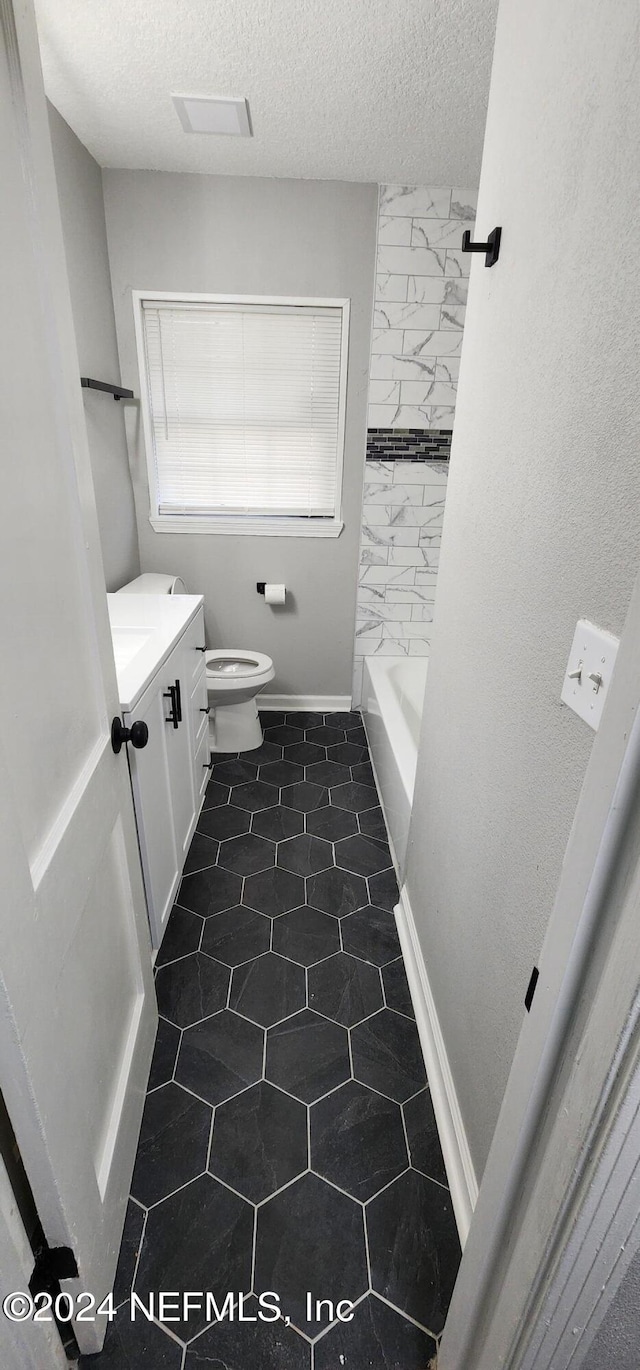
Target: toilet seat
[{"x": 231, "y": 669}]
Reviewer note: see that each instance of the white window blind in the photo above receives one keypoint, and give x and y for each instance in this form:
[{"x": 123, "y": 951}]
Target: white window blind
[{"x": 244, "y": 408}]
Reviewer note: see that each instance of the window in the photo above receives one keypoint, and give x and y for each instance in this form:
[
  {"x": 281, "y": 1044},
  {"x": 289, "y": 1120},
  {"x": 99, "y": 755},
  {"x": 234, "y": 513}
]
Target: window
[{"x": 243, "y": 407}]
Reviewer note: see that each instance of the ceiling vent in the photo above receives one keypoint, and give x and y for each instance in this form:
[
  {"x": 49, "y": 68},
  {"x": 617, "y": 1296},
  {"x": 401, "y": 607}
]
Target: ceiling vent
[{"x": 213, "y": 114}]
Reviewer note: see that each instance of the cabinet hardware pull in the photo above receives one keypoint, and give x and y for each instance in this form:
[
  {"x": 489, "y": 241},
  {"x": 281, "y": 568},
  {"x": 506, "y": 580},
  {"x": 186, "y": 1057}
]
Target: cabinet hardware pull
[
  {"x": 207, "y": 765},
  {"x": 201, "y": 649},
  {"x": 171, "y": 694},
  {"x": 207, "y": 710},
  {"x": 178, "y": 701}
]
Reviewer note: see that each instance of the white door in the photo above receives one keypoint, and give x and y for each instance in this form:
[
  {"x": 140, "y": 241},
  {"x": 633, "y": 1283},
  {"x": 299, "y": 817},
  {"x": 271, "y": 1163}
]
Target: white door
[{"x": 77, "y": 1010}]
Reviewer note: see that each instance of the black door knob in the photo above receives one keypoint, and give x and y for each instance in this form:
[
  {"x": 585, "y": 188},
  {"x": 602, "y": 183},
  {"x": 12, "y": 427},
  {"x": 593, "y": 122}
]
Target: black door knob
[{"x": 137, "y": 734}]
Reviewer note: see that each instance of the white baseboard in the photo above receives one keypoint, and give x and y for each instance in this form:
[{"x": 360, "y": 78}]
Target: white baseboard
[
  {"x": 453, "y": 1138},
  {"x": 323, "y": 704}
]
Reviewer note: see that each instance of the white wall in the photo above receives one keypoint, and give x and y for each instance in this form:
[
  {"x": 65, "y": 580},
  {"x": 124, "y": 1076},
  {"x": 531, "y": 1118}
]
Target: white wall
[
  {"x": 542, "y": 522},
  {"x": 269, "y": 237},
  {"x": 79, "y": 181}
]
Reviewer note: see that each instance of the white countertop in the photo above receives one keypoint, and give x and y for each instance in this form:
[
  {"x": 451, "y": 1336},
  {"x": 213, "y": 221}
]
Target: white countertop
[{"x": 144, "y": 630}]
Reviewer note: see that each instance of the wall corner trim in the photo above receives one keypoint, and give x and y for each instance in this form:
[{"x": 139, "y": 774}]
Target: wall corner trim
[{"x": 453, "y": 1138}]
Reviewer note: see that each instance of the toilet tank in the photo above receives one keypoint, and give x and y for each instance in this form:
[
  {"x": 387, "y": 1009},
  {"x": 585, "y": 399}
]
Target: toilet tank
[{"x": 154, "y": 583}]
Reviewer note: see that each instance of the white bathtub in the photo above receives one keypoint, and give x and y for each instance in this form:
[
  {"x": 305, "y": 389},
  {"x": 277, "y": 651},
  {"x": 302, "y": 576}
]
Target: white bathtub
[{"x": 392, "y": 696}]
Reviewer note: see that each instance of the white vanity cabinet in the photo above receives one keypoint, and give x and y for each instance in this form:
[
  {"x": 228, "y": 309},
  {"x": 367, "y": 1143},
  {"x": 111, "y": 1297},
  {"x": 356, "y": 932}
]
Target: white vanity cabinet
[{"x": 169, "y": 775}]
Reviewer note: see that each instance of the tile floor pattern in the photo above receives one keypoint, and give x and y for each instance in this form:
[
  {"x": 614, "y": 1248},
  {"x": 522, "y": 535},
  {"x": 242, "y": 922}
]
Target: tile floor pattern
[{"x": 288, "y": 1140}]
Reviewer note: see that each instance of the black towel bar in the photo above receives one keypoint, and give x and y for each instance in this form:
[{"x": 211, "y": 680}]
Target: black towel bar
[{"x": 116, "y": 390}]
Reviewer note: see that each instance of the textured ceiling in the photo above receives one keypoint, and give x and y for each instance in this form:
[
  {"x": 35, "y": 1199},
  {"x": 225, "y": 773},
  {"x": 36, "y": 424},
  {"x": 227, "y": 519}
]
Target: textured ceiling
[{"x": 358, "y": 90}]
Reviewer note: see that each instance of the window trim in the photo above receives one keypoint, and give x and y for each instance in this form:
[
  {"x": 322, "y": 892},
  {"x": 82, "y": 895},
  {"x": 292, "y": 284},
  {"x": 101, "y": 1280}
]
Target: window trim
[{"x": 266, "y": 525}]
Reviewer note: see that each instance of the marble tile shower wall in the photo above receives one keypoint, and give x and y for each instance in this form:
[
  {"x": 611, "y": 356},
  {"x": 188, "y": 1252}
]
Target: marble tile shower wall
[
  {"x": 402, "y": 524},
  {"x": 420, "y": 299}
]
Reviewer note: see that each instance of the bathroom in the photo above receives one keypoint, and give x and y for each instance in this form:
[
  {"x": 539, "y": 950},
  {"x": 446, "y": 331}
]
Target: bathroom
[{"x": 310, "y": 795}]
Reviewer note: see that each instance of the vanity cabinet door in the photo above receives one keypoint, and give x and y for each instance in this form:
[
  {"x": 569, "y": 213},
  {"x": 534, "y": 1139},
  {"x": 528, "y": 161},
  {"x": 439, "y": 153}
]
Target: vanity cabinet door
[
  {"x": 170, "y": 774},
  {"x": 183, "y": 798},
  {"x": 152, "y": 781}
]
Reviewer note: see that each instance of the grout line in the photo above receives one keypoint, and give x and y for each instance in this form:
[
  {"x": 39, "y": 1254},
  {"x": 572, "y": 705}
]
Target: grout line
[
  {"x": 213, "y": 1120},
  {"x": 420, "y": 1325},
  {"x": 254, "y": 1242},
  {"x": 406, "y": 1135},
  {"x": 267, "y": 1199}
]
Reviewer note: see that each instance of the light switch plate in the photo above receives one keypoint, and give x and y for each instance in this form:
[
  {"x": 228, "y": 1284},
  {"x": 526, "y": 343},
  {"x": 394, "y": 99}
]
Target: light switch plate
[{"x": 589, "y": 671}]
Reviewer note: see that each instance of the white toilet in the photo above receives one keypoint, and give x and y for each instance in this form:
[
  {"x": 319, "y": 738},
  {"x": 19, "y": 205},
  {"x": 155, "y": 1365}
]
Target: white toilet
[
  {"x": 154, "y": 583},
  {"x": 234, "y": 677}
]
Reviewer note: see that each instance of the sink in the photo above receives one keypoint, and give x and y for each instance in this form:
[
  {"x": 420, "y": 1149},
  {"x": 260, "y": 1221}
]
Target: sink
[
  {"x": 127, "y": 642},
  {"x": 144, "y": 631}
]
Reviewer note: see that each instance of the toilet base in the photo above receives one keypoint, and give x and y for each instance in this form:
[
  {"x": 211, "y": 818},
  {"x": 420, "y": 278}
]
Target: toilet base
[{"x": 235, "y": 727}]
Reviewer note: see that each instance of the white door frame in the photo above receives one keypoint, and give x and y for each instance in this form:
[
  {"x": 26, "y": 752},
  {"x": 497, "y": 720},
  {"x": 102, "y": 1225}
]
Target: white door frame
[{"x": 572, "y": 1091}]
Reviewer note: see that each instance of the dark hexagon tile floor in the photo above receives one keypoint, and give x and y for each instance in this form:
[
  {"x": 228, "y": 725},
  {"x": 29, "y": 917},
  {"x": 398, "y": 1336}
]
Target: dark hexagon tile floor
[
  {"x": 387, "y": 1055},
  {"x": 337, "y": 891},
  {"x": 305, "y": 855},
  {"x": 223, "y": 822},
  {"x": 306, "y": 935},
  {"x": 414, "y": 1248},
  {"x": 345, "y": 989},
  {"x": 376, "y": 1337},
  {"x": 249, "y": 1346},
  {"x": 310, "y": 1238},
  {"x": 164, "y": 1054},
  {"x": 210, "y": 891},
  {"x": 361, "y": 855},
  {"x": 183, "y": 934},
  {"x": 268, "y": 989},
  {"x": 277, "y": 823},
  {"x": 332, "y": 823},
  {"x": 192, "y": 988},
  {"x": 141, "y": 1344},
  {"x": 371, "y": 933},
  {"x": 247, "y": 854},
  {"x": 422, "y": 1135},
  {"x": 200, "y": 1238},
  {"x": 288, "y": 1126},
  {"x": 220, "y": 1056},
  {"x": 173, "y": 1146},
  {"x": 259, "y": 1141},
  {"x": 307, "y": 1055},
  {"x": 357, "y": 1140},
  {"x": 235, "y": 936},
  {"x": 273, "y": 891},
  {"x": 396, "y": 987},
  {"x": 203, "y": 852}
]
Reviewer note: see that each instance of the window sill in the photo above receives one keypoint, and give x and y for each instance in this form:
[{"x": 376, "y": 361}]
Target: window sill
[{"x": 251, "y": 527}]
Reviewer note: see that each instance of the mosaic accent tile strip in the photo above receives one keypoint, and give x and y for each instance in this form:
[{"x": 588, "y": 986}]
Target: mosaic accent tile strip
[{"x": 408, "y": 444}]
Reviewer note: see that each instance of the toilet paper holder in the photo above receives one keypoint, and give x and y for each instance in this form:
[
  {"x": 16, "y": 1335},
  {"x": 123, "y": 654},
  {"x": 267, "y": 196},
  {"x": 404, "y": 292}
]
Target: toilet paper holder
[{"x": 273, "y": 594}]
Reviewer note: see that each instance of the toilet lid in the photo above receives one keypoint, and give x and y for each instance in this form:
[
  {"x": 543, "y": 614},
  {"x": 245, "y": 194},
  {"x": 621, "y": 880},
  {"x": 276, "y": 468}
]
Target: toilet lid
[{"x": 228, "y": 662}]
